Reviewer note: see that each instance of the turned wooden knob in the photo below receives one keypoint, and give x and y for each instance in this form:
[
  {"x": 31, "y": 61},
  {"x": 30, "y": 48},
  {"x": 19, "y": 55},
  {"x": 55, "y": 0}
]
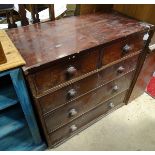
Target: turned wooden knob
[
  {"x": 115, "y": 88},
  {"x": 71, "y": 93},
  {"x": 111, "y": 105},
  {"x": 126, "y": 49},
  {"x": 72, "y": 112},
  {"x": 73, "y": 128},
  {"x": 71, "y": 70},
  {"x": 120, "y": 69}
]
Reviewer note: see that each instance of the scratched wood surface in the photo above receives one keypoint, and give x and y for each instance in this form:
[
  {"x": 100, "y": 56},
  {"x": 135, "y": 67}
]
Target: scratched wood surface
[
  {"x": 14, "y": 59},
  {"x": 40, "y": 44}
]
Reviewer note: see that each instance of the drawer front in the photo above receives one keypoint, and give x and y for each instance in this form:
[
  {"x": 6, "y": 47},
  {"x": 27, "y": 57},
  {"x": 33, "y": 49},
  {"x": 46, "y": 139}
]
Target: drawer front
[
  {"x": 118, "y": 69},
  {"x": 53, "y": 100},
  {"x": 74, "y": 109},
  {"x": 68, "y": 93},
  {"x": 65, "y": 70},
  {"x": 122, "y": 48},
  {"x": 69, "y": 129}
]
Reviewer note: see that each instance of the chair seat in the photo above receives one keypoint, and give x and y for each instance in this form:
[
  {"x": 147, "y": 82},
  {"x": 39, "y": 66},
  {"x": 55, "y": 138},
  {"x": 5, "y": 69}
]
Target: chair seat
[{"x": 4, "y": 7}]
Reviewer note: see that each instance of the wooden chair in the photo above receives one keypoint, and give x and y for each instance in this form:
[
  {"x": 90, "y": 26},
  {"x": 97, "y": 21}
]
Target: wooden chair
[
  {"x": 8, "y": 10},
  {"x": 33, "y": 8}
]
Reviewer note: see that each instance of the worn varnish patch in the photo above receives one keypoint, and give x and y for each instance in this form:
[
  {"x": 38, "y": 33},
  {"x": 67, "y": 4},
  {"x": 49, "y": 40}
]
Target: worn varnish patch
[{"x": 47, "y": 42}]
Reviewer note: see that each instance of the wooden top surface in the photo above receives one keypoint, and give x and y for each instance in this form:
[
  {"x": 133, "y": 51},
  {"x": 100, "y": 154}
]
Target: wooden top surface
[
  {"x": 46, "y": 42},
  {"x": 13, "y": 57}
]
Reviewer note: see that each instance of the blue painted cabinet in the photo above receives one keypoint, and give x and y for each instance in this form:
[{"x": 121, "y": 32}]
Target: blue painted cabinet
[{"x": 18, "y": 127}]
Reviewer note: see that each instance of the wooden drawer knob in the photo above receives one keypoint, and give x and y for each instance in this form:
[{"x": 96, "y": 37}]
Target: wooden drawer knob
[
  {"x": 111, "y": 105},
  {"x": 120, "y": 69},
  {"x": 72, "y": 112},
  {"x": 71, "y": 70},
  {"x": 126, "y": 49},
  {"x": 73, "y": 128},
  {"x": 115, "y": 88},
  {"x": 71, "y": 93}
]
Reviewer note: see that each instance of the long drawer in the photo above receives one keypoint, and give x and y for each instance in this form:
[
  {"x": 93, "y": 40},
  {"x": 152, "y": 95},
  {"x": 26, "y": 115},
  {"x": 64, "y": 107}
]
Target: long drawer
[
  {"x": 122, "y": 48},
  {"x": 72, "y": 110},
  {"x": 86, "y": 119},
  {"x": 66, "y": 94},
  {"x": 64, "y": 70}
]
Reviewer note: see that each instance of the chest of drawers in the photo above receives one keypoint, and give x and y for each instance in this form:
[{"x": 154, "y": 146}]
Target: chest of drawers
[{"x": 80, "y": 69}]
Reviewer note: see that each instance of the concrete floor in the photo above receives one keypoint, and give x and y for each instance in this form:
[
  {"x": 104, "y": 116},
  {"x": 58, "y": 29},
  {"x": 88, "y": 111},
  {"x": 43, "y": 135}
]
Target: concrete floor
[{"x": 131, "y": 127}]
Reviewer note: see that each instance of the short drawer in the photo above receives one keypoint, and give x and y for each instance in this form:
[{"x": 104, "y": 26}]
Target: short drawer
[
  {"x": 86, "y": 119},
  {"x": 72, "y": 110},
  {"x": 118, "y": 69},
  {"x": 64, "y": 70},
  {"x": 122, "y": 48},
  {"x": 68, "y": 93}
]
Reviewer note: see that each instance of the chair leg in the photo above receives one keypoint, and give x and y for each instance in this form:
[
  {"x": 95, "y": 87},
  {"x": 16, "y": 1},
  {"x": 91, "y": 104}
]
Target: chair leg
[
  {"x": 14, "y": 25},
  {"x": 11, "y": 24},
  {"x": 51, "y": 12},
  {"x": 32, "y": 8},
  {"x": 22, "y": 13},
  {"x": 8, "y": 19},
  {"x": 36, "y": 13}
]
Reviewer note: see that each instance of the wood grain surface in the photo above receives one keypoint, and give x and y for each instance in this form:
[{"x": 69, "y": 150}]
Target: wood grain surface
[
  {"x": 13, "y": 57},
  {"x": 85, "y": 120},
  {"x": 2, "y": 55},
  {"x": 103, "y": 54},
  {"x": 44, "y": 43},
  {"x": 144, "y": 12}
]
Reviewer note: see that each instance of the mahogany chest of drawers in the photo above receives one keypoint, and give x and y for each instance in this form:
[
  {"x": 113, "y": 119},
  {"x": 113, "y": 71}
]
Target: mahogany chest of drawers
[{"x": 81, "y": 68}]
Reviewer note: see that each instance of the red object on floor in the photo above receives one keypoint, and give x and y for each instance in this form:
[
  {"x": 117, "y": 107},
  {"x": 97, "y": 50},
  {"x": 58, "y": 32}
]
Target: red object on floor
[{"x": 151, "y": 87}]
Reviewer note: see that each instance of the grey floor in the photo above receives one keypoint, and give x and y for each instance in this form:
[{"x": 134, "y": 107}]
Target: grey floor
[{"x": 131, "y": 127}]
